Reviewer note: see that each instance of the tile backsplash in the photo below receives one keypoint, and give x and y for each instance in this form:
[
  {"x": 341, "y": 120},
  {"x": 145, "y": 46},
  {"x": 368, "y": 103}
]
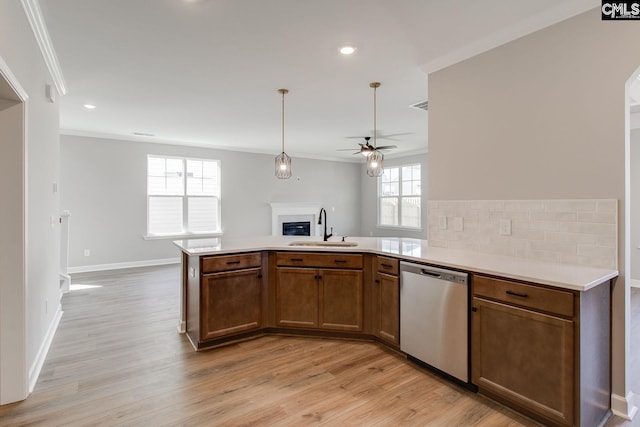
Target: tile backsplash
[{"x": 582, "y": 232}]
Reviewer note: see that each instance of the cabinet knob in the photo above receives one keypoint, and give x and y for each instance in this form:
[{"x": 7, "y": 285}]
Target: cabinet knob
[{"x": 377, "y": 281}]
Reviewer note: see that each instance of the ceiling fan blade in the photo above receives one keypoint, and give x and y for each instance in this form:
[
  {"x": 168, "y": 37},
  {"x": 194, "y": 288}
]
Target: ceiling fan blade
[{"x": 386, "y": 147}]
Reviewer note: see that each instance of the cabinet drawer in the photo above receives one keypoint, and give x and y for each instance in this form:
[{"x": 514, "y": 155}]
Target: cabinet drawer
[
  {"x": 230, "y": 262},
  {"x": 537, "y": 298},
  {"x": 387, "y": 265},
  {"x": 333, "y": 260}
]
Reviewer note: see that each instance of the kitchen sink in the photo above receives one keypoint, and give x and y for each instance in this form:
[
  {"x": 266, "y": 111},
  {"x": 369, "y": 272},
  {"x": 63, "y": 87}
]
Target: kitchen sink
[{"x": 321, "y": 243}]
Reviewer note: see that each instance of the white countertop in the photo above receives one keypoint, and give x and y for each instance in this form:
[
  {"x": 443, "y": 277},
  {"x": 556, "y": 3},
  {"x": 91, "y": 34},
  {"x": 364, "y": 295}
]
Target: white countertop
[{"x": 565, "y": 276}]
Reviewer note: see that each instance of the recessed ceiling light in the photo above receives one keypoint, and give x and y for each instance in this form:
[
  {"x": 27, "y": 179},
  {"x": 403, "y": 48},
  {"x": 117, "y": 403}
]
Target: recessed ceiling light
[
  {"x": 347, "y": 50},
  {"x": 89, "y": 106}
]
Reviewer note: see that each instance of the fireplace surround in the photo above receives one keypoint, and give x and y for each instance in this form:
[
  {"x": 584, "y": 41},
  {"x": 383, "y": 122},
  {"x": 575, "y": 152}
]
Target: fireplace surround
[{"x": 294, "y": 212}]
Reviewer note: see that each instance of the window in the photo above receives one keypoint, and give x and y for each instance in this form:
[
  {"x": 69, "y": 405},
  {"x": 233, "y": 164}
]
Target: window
[
  {"x": 183, "y": 196},
  {"x": 399, "y": 197}
]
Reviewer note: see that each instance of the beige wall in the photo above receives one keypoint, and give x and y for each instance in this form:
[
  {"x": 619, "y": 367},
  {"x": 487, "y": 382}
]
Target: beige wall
[
  {"x": 20, "y": 51},
  {"x": 11, "y": 251},
  {"x": 542, "y": 117}
]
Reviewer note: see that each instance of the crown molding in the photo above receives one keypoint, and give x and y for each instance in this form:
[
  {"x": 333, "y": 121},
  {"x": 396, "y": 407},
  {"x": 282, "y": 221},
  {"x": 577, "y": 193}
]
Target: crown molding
[
  {"x": 551, "y": 16},
  {"x": 39, "y": 28}
]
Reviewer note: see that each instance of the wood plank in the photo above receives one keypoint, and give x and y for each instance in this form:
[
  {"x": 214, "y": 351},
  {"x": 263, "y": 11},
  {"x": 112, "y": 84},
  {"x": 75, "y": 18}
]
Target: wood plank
[{"x": 117, "y": 360}]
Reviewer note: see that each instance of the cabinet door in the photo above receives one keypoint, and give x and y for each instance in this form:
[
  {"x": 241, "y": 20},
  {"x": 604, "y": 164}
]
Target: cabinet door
[
  {"x": 388, "y": 308},
  {"x": 341, "y": 303},
  {"x": 230, "y": 302},
  {"x": 297, "y": 297},
  {"x": 525, "y": 358}
]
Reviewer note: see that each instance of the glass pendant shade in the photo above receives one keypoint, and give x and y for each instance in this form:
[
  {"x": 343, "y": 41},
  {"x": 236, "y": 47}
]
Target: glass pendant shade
[
  {"x": 374, "y": 157},
  {"x": 283, "y": 166},
  {"x": 374, "y": 164}
]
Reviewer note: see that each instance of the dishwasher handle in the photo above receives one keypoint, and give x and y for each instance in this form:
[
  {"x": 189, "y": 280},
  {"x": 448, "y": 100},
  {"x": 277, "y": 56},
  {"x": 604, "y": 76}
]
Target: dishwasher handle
[{"x": 433, "y": 272}]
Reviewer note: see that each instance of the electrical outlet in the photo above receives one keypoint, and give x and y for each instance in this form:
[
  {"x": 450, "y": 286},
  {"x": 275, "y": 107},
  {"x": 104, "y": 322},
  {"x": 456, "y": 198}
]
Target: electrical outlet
[
  {"x": 87, "y": 252},
  {"x": 505, "y": 227},
  {"x": 442, "y": 222},
  {"x": 458, "y": 223}
]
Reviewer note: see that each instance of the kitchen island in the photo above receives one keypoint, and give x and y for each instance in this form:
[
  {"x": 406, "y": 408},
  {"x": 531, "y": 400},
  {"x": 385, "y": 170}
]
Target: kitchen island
[{"x": 539, "y": 332}]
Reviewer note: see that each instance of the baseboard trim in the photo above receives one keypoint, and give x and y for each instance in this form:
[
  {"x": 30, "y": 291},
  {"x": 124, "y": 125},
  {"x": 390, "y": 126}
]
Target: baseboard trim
[
  {"x": 121, "y": 265},
  {"x": 34, "y": 371},
  {"x": 623, "y": 407},
  {"x": 182, "y": 327},
  {"x": 635, "y": 283}
]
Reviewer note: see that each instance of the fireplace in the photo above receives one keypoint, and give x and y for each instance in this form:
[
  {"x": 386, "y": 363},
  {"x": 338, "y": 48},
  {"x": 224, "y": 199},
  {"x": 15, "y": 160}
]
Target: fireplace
[
  {"x": 300, "y": 218},
  {"x": 296, "y": 228}
]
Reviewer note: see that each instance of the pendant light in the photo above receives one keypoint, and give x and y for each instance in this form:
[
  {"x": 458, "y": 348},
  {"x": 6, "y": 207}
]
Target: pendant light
[
  {"x": 283, "y": 161},
  {"x": 375, "y": 159}
]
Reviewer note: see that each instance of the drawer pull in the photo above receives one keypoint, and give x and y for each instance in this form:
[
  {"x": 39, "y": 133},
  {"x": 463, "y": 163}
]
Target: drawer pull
[
  {"x": 340, "y": 261},
  {"x": 517, "y": 294},
  {"x": 387, "y": 265},
  {"x": 233, "y": 262},
  {"x": 296, "y": 259}
]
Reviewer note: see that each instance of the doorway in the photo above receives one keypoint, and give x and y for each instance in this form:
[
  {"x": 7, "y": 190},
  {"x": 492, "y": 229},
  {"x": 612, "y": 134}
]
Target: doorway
[
  {"x": 632, "y": 236},
  {"x": 13, "y": 370}
]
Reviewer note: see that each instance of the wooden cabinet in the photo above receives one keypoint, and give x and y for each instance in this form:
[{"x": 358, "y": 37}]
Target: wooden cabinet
[
  {"x": 341, "y": 300},
  {"x": 297, "y": 297},
  {"x": 227, "y": 297},
  {"x": 387, "y": 300},
  {"x": 526, "y": 350},
  {"x": 230, "y": 302},
  {"x": 322, "y": 291}
]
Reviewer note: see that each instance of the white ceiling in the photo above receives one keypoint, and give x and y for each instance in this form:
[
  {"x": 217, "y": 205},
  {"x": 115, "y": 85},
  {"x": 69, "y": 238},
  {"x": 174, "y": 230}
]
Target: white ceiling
[{"x": 207, "y": 72}]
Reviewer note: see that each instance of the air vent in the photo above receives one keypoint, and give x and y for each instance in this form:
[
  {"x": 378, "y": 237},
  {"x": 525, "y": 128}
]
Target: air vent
[{"x": 422, "y": 105}]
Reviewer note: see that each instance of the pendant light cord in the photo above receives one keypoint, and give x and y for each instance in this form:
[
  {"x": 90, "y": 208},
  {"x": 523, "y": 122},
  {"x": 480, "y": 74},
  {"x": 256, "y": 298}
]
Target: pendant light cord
[
  {"x": 375, "y": 133},
  {"x": 283, "y": 92},
  {"x": 375, "y": 86}
]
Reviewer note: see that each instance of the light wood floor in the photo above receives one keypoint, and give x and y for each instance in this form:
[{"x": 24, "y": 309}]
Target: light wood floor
[{"x": 118, "y": 360}]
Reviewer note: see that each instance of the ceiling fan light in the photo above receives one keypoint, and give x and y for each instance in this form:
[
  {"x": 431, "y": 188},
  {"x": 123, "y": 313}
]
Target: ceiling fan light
[{"x": 375, "y": 164}]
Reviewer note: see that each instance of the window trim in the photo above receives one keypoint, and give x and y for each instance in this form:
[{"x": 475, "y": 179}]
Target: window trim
[
  {"x": 185, "y": 197},
  {"x": 399, "y": 197}
]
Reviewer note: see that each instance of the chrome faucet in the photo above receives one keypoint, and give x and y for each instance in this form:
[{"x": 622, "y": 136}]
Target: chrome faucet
[{"x": 325, "y": 236}]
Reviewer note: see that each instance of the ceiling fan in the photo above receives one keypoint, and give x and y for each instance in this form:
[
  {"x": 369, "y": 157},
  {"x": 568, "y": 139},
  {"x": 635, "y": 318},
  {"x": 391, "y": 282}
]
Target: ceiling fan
[{"x": 367, "y": 149}]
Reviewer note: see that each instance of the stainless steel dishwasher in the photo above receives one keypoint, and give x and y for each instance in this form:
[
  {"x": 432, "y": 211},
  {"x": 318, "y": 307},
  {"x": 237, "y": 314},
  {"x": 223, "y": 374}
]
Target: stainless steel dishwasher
[{"x": 434, "y": 317}]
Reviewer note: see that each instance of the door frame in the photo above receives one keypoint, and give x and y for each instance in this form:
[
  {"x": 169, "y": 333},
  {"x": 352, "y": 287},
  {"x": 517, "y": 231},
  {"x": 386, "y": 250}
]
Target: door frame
[{"x": 14, "y": 382}]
